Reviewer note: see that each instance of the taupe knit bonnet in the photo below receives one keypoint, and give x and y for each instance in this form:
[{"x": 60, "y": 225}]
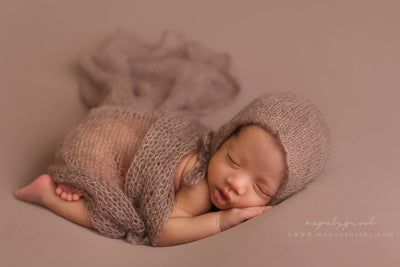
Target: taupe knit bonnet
[{"x": 298, "y": 126}]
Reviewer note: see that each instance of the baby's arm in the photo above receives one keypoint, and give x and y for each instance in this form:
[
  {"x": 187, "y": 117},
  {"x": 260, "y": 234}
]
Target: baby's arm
[{"x": 179, "y": 230}]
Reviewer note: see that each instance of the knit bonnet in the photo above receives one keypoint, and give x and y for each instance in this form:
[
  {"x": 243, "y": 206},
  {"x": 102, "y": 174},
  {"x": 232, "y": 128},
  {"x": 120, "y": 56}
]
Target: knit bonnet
[{"x": 299, "y": 128}]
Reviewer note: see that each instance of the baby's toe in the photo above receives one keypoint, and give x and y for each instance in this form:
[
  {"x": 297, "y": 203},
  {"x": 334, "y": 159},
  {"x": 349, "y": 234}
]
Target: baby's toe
[
  {"x": 75, "y": 197},
  {"x": 69, "y": 197},
  {"x": 64, "y": 195},
  {"x": 59, "y": 190}
]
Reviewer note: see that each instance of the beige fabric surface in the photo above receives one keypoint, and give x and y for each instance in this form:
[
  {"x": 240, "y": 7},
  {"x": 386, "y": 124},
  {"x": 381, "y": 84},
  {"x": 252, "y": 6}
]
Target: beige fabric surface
[{"x": 343, "y": 55}]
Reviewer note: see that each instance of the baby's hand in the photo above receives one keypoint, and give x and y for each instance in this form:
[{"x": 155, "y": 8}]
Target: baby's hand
[
  {"x": 232, "y": 217},
  {"x": 67, "y": 193}
]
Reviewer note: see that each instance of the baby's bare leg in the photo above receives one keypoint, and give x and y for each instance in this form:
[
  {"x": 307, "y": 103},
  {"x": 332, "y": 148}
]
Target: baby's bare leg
[{"x": 42, "y": 191}]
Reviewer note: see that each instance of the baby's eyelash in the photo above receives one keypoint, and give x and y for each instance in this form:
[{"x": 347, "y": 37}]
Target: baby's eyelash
[
  {"x": 231, "y": 160},
  {"x": 259, "y": 188}
]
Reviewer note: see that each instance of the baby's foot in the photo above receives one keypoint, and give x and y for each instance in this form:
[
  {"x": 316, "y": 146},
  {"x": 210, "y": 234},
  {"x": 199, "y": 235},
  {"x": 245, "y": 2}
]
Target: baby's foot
[
  {"x": 35, "y": 191},
  {"x": 67, "y": 193}
]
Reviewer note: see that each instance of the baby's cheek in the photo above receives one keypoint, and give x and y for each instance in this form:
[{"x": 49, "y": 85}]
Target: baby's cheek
[{"x": 212, "y": 173}]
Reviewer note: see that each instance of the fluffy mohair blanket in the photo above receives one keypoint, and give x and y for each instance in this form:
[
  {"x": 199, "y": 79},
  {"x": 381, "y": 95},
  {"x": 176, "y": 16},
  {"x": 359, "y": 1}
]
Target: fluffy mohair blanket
[{"x": 124, "y": 155}]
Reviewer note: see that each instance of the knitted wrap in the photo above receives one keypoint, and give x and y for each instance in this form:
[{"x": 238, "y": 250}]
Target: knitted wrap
[
  {"x": 173, "y": 74},
  {"x": 300, "y": 129},
  {"x": 125, "y": 161},
  {"x": 125, "y": 154}
]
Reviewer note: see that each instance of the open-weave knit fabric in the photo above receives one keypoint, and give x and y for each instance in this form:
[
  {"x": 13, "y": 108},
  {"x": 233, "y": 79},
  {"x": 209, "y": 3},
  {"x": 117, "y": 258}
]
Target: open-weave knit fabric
[
  {"x": 173, "y": 74},
  {"x": 124, "y": 155},
  {"x": 125, "y": 161}
]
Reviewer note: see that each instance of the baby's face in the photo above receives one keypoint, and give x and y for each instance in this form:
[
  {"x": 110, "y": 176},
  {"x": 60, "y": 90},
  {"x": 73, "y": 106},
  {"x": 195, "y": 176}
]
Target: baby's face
[{"x": 246, "y": 170}]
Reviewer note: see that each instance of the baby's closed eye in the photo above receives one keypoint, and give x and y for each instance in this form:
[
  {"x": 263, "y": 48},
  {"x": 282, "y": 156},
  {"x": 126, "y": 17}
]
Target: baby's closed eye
[{"x": 229, "y": 157}]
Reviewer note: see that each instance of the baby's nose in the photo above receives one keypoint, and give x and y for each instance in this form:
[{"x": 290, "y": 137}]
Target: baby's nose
[{"x": 239, "y": 183}]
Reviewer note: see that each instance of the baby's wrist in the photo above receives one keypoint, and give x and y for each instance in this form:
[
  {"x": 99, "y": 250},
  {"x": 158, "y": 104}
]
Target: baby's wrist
[{"x": 218, "y": 220}]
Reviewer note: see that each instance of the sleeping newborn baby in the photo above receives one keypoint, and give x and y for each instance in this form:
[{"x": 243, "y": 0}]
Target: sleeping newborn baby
[
  {"x": 137, "y": 168},
  {"x": 161, "y": 179}
]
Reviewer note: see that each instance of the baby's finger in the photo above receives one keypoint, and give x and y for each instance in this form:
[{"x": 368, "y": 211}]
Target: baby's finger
[
  {"x": 266, "y": 208},
  {"x": 255, "y": 211}
]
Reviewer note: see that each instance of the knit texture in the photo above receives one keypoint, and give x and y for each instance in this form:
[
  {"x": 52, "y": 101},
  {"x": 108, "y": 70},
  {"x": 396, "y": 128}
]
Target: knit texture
[
  {"x": 300, "y": 129},
  {"x": 125, "y": 161},
  {"x": 173, "y": 74},
  {"x": 124, "y": 155}
]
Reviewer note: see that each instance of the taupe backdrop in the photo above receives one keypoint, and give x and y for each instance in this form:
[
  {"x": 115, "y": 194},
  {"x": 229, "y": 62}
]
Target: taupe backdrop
[{"x": 342, "y": 55}]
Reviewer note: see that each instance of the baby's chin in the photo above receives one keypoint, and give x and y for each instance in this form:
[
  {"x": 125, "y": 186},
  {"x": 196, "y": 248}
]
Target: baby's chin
[{"x": 215, "y": 203}]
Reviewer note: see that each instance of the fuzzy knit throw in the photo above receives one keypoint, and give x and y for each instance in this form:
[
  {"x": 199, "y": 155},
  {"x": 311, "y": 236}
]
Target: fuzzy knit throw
[
  {"x": 125, "y": 161},
  {"x": 173, "y": 74},
  {"x": 124, "y": 155}
]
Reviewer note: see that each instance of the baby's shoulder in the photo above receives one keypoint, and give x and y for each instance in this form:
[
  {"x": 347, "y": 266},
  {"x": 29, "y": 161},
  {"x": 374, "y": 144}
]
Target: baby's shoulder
[{"x": 192, "y": 201}]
